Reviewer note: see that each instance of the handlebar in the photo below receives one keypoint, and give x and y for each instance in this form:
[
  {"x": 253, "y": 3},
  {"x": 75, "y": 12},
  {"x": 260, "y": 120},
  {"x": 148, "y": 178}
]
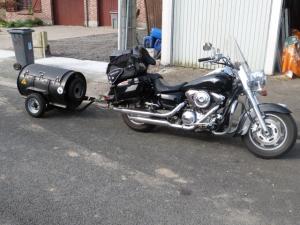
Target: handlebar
[
  {"x": 205, "y": 59},
  {"x": 221, "y": 60}
]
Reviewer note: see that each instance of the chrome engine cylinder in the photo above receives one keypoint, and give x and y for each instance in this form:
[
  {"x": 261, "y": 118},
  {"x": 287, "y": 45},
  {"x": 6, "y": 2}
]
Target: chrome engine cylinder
[
  {"x": 200, "y": 99},
  {"x": 189, "y": 118}
]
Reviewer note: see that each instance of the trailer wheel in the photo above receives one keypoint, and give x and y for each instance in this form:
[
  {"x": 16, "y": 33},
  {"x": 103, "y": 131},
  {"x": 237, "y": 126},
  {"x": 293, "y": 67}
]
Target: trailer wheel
[{"x": 35, "y": 105}]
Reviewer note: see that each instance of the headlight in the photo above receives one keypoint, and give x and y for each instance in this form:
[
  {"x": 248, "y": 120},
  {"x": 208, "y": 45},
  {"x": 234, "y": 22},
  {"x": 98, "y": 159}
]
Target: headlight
[{"x": 257, "y": 81}]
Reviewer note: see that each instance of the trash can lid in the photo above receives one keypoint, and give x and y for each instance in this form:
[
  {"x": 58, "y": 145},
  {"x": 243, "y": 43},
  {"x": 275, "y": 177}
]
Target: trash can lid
[{"x": 20, "y": 31}]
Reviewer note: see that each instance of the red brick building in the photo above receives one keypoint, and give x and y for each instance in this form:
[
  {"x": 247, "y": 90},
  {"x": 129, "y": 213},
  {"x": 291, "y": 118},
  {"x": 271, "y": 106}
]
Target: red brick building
[
  {"x": 141, "y": 20},
  {"x": 90, "y": 13},
  {"x": 26, "y": 9}
]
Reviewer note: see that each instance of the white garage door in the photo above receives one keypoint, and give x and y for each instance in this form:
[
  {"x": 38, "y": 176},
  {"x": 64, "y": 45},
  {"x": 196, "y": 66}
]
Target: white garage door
[{"x": 200, "y": 21}]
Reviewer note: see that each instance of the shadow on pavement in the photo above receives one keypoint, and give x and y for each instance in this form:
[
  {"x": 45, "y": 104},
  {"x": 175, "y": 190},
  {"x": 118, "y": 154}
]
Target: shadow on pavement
[
  {"x": 102, "y": 114},
  {"x": 223, "y": 140}
]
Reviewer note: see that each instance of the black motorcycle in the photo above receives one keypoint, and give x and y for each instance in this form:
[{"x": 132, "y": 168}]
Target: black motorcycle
[{"x": 223, "y": 102}]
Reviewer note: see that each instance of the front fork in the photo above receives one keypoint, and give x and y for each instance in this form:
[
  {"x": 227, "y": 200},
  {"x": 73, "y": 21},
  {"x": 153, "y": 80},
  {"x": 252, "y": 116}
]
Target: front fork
[
  {"x": 252, "y": 99},
  {"x": 254, "y": 103}
]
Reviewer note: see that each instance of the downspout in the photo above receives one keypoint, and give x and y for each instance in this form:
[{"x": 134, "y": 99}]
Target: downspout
[
  {"x": 127, "y": 20},
  {"x": 172, "y": 33},
  {"x": 87, "y": 12},
  {"x": 121, "y": 24}
]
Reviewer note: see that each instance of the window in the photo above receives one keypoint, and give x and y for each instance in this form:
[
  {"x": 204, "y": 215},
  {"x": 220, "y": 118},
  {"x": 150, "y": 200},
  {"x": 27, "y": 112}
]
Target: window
[
  {"x": 24, "y": 4},
  {"x": 2, "y": 4},
  {"x": 33, "y": 6},
  {"x": 16, "y": 5}
]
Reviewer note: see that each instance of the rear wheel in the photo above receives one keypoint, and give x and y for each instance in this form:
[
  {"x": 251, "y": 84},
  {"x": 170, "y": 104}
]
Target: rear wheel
[
  {"x": 281, "y": 138},
  {"x": 141, "y": 127}
]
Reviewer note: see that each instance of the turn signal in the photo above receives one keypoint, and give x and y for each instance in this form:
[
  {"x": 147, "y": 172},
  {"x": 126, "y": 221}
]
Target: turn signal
[{"x": 263, "y": 92}]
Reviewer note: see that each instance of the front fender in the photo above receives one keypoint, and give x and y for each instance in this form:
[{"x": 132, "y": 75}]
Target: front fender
[
  {"x": 272, "y": 107},
  {"x": 245, "y": 122}
]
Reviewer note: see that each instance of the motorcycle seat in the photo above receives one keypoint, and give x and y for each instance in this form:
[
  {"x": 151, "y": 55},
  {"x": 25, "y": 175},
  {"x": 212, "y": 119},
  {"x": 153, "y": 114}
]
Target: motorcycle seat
[{"x": 163, "y": 87}]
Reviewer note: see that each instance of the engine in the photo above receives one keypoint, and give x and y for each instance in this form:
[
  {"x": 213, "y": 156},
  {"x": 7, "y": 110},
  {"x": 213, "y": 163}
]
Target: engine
[
  {"x": 200, "y": 102},
  {"x": 202, "y": 99},
  {"x": 199, "y": 99}
]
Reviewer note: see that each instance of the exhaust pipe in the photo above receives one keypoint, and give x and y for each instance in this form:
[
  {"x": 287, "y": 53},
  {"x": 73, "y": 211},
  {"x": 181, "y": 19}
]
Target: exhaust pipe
[
  {"x": 177, "y": 126},
  {"x": 161, "y": 123},
  {"x": 149, "y": 114}
]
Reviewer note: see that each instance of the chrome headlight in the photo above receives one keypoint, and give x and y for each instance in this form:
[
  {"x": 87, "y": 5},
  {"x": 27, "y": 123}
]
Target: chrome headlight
[{"x": 257, "y": 81}]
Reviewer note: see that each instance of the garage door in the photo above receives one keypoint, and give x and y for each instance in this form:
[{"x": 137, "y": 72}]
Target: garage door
[
  {"x": 105, "y": 7},
  {"x": 199, "y": 21},
  {"x": 68, "y": 12}
]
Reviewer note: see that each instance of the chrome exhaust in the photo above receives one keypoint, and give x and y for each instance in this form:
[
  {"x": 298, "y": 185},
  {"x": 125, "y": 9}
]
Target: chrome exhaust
[
  {"x": 214, "y": 109},
  {"x": 165, "y": 123},
  {"x": 143, "y": 113},
  {"x": 161, "y": 123}
]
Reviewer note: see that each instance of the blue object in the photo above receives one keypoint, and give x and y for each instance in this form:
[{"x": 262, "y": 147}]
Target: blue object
[
  {"x": 157, "y": 45},
  {"x": 149, "y": 42},
  {"x": 156, "y": 33}
]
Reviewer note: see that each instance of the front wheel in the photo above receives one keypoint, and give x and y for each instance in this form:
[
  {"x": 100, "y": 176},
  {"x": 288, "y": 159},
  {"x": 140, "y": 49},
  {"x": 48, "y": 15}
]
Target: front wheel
[
  {"x": 141, "y": 127},
  {"x": 281, "y": 138}
]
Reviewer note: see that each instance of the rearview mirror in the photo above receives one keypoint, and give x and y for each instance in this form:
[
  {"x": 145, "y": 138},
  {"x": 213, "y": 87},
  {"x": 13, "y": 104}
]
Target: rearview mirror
[{"x": 207, "y": 46}]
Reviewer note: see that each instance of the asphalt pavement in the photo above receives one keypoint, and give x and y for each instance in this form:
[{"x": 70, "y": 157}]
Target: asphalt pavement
[{"x": 89, "y": 168}]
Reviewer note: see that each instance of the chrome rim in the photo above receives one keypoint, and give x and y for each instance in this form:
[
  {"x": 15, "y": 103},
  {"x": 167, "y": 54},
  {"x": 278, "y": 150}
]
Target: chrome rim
[
  {"x": 277, "y": 136},
  {"x": 33, "y": 105}
]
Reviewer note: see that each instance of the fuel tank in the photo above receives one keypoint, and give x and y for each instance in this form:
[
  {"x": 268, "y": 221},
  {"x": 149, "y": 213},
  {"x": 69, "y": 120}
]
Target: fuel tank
[{"x": 215, "y": 81}]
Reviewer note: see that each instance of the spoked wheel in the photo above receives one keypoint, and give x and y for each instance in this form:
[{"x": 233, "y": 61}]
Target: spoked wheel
[
  {"x": 141, "y": 127},
  {"x": 35, "y": 105},
  {"x": 280, "y": 139}
]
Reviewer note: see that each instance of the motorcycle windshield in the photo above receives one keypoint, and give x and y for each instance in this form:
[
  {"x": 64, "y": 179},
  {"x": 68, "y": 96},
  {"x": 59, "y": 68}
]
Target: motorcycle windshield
[{"x": 240, "y": 57}]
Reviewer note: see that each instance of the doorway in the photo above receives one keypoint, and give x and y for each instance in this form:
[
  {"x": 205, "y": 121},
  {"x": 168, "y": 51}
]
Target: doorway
[
  {"x": 105, "y": 8},
  {"x": 290, "y": 21},
  {"x": 68, "y": 12}
]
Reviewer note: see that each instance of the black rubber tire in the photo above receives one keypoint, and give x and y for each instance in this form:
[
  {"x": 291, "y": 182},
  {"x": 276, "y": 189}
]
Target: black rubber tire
[
  {"x": 75, "y": 101},
  {"x": 42, "y": 105},
  {"x": 73, "y": 91},
  {"x": 285, "y": 148},
  {"x": 137, "y": 127}
]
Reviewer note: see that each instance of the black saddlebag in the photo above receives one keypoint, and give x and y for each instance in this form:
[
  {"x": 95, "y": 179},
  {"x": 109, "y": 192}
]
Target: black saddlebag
[{"x": 125, "y": 65}]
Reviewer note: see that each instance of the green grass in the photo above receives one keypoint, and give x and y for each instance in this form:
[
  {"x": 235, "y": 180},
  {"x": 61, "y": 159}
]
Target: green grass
[
  {"x": 21, "y": 23},
  {"x": 3, "y": 23}
]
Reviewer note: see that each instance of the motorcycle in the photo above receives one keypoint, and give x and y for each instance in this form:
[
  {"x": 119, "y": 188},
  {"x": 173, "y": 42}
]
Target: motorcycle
[{"x": 209, "y": 103}]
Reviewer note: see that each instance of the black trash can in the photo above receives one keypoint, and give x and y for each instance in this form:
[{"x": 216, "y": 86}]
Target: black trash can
[{"x": 22, "y": 41}]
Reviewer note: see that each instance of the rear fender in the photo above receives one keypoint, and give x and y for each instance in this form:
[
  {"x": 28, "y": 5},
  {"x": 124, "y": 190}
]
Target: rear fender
[{"x": 245, "y": 122}]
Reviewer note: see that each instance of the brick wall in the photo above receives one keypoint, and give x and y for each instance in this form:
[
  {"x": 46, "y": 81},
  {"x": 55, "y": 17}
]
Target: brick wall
[
  {"x": 2, "y": 9},
  {"x": 141, "y": 20},
  {"x": 45, "y": 15},
  {"x": 2, "y": 13},
  {"x": 92, "y": 12}
]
